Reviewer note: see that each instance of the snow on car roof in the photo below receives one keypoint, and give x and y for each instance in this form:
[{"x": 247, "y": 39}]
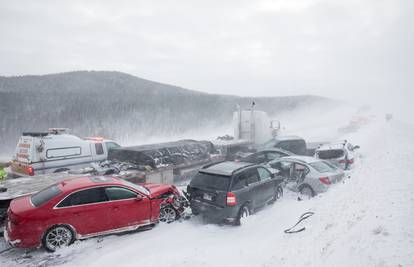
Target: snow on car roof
[
  {"x": 331, "y": 146},
  {"x": 225, "y": 168},
  {"x": 288, "y": 137},
  {"x": 305, "y": 159}
]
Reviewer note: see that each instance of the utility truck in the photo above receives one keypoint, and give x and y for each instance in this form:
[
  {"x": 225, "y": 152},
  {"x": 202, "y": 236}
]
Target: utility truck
[{"x": 57, "y": 150}]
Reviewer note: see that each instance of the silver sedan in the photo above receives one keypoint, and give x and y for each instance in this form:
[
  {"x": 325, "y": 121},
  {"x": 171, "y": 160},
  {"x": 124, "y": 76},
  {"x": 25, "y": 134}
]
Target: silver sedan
[{"x": 306, "y": 175}]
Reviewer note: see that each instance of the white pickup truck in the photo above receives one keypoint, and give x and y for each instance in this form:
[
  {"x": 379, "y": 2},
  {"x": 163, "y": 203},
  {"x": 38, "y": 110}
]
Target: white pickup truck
[{"x": 57, "y": 151}]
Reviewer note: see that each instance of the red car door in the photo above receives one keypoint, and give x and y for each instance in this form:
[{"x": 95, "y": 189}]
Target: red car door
[
  {"x": 128, "y": 208},
  {"x": 88, "y": 211}
]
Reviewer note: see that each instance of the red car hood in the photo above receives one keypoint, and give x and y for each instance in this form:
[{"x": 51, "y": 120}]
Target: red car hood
[{"x": 159, "y": 189}]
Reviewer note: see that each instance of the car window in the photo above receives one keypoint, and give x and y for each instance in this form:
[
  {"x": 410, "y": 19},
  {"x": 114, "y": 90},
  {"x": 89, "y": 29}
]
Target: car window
[
  {"x": 259, "y": 158},
  {"x": 252, "y": 176},
  {"x": 87, "y": 196},
  {"x": 239, "y": 181},
  {"x": 45, "y": 195},
  {"x": 273, "y": 155},
  {"x": 99, "y": 148},
  {"x": 263, "y": 173},
  {"x": 295, "y": 146},
  {"x": 283, "y": 167},
  {"x": 110, "y": 145},
  {"x": 321, "y": 166},
  {"x": 118, "y": 193}
]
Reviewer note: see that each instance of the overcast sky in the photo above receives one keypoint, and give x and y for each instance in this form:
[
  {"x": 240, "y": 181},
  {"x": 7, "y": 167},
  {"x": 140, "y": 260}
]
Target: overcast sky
[{"x": 353, "y": 49}]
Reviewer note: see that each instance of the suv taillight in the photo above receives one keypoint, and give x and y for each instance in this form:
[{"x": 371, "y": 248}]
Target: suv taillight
[
  {"x": 325, "y": 180},
  {"x": 231, "y": 199},
  {"x": 30, "y": 171}
]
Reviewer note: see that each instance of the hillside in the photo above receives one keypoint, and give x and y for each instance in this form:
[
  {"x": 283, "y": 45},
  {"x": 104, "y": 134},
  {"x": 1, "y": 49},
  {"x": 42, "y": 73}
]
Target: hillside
[{"x": 119, "y": 106}]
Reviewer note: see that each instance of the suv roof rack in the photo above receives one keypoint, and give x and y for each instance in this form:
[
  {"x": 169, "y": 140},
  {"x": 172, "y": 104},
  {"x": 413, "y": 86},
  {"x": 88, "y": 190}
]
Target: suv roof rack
[{"x": 35, "y": 134}]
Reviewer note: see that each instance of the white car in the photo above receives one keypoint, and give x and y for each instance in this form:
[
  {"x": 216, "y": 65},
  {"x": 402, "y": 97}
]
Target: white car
[
  {"x": 341, "y": 154},
  {"x": 57, "y": 151},
  {"x": 306, "y": 175}
]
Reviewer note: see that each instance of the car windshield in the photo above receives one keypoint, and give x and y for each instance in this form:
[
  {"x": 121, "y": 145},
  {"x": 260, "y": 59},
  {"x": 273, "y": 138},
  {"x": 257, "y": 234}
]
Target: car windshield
[
  {"x": 45, "y": 195},
  {"x": 210, "y": 181},
  {"x": 269, "y": 144},
  {"x": 330, "y": 154},
  {"x": 321, "y": 166},
  {"x": 140, "y": 188}
]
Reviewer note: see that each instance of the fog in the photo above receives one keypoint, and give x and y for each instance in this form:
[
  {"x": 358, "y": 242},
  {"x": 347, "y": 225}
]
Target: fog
[{"x": 358, "y": 51}]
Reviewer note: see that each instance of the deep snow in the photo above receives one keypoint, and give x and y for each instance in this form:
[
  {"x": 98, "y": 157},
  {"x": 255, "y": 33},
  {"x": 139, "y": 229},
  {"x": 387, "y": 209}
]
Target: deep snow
[{"x": 365, "y": 221}]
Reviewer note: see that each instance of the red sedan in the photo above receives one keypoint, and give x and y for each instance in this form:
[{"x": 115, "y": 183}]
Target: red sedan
[{"x": 83, "y": 207}]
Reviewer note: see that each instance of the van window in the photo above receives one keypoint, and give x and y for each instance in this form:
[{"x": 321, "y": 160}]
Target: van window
[
  {"x": 263, "y": 173},
  {"x": 63, "y": 152},
  {"x": 87, "y": 196},
  {"x": 45, "y": 195},
  {"x": 252, "y": 176},
  {"x": 210, "y": 181},
  {"x": 99, "y": 148},
  {"x": 239, "y": 181}
]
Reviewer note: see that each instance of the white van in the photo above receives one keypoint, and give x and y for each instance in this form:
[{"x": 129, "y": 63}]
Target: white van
[{"x": 57, "y": 151}]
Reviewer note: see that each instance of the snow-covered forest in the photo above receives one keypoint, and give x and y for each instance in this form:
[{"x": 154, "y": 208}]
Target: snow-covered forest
[{"x": 119, "y": 106}]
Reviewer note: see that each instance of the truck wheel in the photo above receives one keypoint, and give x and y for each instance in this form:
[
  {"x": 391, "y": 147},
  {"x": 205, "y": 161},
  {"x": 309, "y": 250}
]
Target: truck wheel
[
  {"x": 61, "y": 170},
  {"x": 57, "y": 237}
]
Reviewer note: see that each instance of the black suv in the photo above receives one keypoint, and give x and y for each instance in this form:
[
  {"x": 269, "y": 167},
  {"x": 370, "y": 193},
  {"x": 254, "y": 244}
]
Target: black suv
[{"x": 229, "y": 191}]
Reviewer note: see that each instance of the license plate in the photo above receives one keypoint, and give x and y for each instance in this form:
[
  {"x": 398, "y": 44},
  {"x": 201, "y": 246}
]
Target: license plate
[{"x": 207, "y": 196}]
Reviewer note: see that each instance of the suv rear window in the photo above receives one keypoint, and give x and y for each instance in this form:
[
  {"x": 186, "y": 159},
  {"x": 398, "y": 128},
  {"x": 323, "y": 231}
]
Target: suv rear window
[
  {"x": 45, "y": 195},
  {"x": 331, "y": 154},
  {"x": 211, "y": 181}
]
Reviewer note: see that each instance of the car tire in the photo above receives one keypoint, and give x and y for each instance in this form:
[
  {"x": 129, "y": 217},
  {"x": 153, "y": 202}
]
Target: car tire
[
  {"x": 278, "y": 194},
  {"x": 244, "y": 212},
  {"x": 57, "y": 237},
  {"x": 168, "y": 214},
  {"x": 307, "y": 191}
]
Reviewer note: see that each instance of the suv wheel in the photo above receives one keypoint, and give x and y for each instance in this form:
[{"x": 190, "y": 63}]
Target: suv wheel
[{"x": 244, "y": 212}]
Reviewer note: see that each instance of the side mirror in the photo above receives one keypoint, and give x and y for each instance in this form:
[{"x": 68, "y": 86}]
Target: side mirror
[
  {"x": 356, "y": 147},
  {"x": 139, "y": 198}
]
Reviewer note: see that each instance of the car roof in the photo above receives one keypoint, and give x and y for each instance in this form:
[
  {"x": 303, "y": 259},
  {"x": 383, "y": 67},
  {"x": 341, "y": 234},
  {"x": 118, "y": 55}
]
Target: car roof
[
  {"x": 304, "y": 159},
  {"x": 82, "y": 182},
  {"x": 226, "y": 168},
  {"x": 275, "y": 150}
]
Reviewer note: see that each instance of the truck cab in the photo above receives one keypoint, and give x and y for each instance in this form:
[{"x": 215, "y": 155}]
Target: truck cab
[{"x": 56, "y": 150}]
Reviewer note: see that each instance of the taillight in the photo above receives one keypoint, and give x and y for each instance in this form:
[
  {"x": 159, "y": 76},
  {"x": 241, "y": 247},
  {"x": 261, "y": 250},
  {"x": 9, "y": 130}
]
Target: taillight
[
  {"x": 231, "y": 199},
  {"x": 350, "y": 161},
  {"x": 325, "y": 180},
  {"x": 342, "y": 161},
  {"x": 30, "y": 171}
]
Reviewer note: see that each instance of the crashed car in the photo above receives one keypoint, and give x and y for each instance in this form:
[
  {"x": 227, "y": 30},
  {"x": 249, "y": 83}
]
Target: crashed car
[
  {"x": 307, "y": 175},
  {"x": 88, "y": 206},
  {"x": 341, "y": 154}
]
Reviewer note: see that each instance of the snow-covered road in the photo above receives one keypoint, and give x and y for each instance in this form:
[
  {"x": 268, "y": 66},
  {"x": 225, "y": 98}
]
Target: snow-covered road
[{"x": 365, "y": 221}]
